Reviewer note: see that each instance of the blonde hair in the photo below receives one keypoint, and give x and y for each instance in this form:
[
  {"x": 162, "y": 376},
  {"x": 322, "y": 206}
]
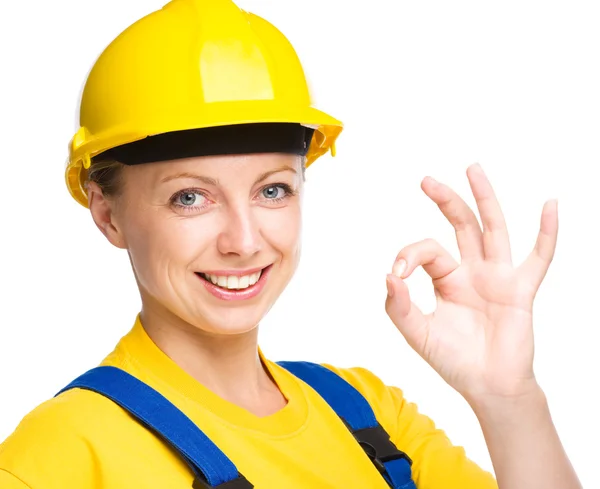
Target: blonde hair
[{"x": 106, "y": 173}]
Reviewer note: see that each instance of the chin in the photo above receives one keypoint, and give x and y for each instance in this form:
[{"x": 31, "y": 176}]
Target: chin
[{"x": 229, "y": 321}]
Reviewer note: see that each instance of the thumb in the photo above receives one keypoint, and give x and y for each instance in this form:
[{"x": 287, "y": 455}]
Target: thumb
[{"x": 405, "y": 315}]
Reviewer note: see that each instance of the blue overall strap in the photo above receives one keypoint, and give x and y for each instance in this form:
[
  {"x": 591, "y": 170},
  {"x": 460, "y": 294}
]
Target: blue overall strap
[
  {"x": 357, "y": 414},
  {"x": 210, "y": 465}
]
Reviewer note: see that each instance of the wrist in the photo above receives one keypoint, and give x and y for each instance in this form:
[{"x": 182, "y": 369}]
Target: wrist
[
  {"x": 522, "y": 406},
  {"x": 490, "y": 391}
]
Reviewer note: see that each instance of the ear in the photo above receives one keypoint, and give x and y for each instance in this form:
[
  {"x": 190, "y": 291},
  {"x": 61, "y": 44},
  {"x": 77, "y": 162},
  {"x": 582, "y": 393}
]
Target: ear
[{"x": 104, "y": 215}]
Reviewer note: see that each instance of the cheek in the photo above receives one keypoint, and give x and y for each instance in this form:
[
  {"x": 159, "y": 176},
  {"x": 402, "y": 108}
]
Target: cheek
[
  {"x": 163, "y": 248},
  {"x": 281, "y": 228}
]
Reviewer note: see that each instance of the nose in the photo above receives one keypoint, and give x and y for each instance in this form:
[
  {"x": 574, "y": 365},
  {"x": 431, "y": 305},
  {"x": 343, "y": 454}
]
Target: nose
[{"x": 240, "y": 234}]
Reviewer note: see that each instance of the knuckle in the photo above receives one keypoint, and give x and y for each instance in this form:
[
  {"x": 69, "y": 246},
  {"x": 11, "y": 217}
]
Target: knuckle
[
  {"x": 424, "y": 250},
  {"x": 418, "y": 248}
]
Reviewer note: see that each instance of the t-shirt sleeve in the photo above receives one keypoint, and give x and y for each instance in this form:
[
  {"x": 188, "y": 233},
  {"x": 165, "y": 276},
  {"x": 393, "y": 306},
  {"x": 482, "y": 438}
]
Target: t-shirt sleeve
[
  {"x": 9, "y": 481},
  {"x": 47, "y": 451},
  {"x": 437, "y": 463}
]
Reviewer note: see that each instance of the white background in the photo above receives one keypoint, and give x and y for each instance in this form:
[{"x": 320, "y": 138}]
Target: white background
[{"x": 424, "y": 87}]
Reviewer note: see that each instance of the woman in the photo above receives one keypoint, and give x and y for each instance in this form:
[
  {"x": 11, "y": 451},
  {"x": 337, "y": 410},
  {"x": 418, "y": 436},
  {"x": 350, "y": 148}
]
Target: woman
[{"x": 196, "y": 129}]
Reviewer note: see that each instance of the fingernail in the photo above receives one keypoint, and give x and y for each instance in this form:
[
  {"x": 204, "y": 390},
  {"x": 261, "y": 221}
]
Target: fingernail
[
  {"x": 399, "y": 268},
  {"x": 390, "y": 286}
]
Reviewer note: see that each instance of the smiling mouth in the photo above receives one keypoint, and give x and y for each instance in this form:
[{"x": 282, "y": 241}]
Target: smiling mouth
[{"x": 233, "y": 282}]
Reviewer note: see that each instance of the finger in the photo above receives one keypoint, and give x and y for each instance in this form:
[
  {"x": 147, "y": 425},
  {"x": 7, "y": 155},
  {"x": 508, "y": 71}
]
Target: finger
[
  {"x": 496, "y": 245},
  {"x": 468, "y": 232},
  {"x": 537, "y": 263},
  {"x": 405, "y": 315},
  {"x": 429, "y": 254}
]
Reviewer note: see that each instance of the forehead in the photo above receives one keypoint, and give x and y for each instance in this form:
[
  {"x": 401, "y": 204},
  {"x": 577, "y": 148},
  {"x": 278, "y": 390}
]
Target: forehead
[{"x": 219, "y": 169}]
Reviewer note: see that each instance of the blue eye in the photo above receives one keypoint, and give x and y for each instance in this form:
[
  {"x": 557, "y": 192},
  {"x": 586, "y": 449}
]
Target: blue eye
[
  {"x": 188, "y": 199},
  {"x": 274, "y": 192}
]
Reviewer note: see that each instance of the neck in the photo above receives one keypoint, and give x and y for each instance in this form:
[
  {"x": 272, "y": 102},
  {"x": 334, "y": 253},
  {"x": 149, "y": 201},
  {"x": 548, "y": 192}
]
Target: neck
[{"x": 228, "y": 365}]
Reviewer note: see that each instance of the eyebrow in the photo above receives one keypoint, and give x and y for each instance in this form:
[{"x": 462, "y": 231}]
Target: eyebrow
[
  {"x": 193, "y": 176},
  {"x": 267, "y": 174},
  {"x": 215, "y": 182}
]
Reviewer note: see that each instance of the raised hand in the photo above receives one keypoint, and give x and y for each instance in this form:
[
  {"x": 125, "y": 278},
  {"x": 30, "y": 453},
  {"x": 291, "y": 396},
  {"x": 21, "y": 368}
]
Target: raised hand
[{"x": 480, "y": 336}]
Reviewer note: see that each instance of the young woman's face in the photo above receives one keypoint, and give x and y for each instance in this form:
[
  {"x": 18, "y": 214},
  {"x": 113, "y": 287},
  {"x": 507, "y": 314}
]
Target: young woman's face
[{"x": 213, "y": 240}]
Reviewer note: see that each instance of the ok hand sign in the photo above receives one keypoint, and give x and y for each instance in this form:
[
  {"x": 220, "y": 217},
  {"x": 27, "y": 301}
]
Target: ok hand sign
[{"x": 480, "y": 337}]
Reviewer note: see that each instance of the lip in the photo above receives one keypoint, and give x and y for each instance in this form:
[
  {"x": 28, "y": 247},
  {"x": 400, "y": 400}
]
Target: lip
[{"x": 232, "y": 294}]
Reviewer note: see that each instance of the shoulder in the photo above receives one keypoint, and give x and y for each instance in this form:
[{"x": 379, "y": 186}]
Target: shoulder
[
  {"x": 400, "y": 418},
  {"x": 436, "y": 461},
  {"x": 76, "y": 411},
  {"x": 56, "y": 436},
  {"x": 387, "y": 402},
  {"x": 391, "y": 408}
]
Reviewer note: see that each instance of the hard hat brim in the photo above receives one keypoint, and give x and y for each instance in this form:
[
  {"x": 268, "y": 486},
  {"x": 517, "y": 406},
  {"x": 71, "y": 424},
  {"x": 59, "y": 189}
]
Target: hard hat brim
[{"x": 87, "y": 144}]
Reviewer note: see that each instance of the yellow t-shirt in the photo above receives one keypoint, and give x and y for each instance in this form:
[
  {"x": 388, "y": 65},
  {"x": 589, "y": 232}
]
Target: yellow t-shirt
[{"x": 82, "y": 440}]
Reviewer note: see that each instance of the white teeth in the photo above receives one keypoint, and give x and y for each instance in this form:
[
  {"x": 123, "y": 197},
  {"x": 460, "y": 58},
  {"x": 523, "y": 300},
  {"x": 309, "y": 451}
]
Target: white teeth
[
  {"x": 254, "y": 278},
  {"x": 233, "y": 281}
]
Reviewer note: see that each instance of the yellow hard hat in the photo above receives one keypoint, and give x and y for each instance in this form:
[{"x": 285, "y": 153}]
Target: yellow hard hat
[{"x": 193, "y": 64}]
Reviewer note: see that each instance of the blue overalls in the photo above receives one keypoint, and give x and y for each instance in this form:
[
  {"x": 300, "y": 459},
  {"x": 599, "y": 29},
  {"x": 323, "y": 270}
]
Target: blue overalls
[{"x": 210, "y": 465}]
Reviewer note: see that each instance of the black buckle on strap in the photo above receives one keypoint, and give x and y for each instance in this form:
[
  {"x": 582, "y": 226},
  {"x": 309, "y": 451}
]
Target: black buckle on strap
[
  {"x": 377, "y": 445},
  {"x": 239, "y": 483}
]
